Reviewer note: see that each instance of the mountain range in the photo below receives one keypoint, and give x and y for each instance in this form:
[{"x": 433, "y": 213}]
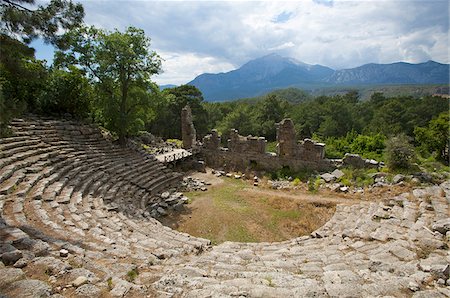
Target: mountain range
[{"x": 273, "y": 71}]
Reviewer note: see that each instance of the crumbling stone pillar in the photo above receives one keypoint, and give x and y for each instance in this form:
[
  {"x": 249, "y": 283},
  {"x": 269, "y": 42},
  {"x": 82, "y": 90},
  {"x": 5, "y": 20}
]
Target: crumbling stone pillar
[
  {"x": 233, "y": 141},
  {"x": 286, "y": 138},
  {"x": 188, "y": 132}
]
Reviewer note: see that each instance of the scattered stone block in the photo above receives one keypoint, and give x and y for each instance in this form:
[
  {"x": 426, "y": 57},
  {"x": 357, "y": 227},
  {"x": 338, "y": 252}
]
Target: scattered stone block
[
  {"x": 9, "y": 258},
  {"x": 337, "y": 173},
  {"x": 344, "y": 188},
  {"x": 10, "y": 275},
  {"x": 21, "y": 263},
  {"x": 32, "y": 288},
  {"x": 161, "y": 211},
  {"x": 398, "y": 178},
  {"x": 63, "y": 253},
  {"x": 328, "y": 177},
  {"x": 88, "y": 290},
  {"x": 413, "y": 286},
  {"x": 442, "y": 226},
  {"x": 79, "y": 281}
]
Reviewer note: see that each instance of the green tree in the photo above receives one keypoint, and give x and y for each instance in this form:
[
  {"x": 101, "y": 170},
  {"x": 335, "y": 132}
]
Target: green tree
[
  {"x": 368, "y": 145},
  {"x": 22, "y": 76},
  {"x": 435, "y": 137},
  {"x": 192, "y": 96},
  {"x": 121, "y": 65},
  {"x": 167, "y": 122},
  {"x": 292, "y": 95},
  {"x": 26, "y": 20},
  {"x": 399, "y": 152},
  {"x": 339, "y": 115},
  {"x": 270, "y": 111},
  {"x": 66, "y": 92},
  {"x": 216, "y": 112},
  {"x": 240, "y": 118}
]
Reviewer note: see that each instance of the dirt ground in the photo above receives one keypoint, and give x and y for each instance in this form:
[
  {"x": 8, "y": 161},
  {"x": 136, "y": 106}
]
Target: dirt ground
[{"x": 235, "y": 210}]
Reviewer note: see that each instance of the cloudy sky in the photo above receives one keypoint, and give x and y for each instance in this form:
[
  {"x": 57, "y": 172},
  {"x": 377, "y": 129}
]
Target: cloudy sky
[{"x": 195, "y": 37}]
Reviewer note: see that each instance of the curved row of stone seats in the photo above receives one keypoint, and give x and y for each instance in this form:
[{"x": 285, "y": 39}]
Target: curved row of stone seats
[
  {"x": 63, "y": 184},
  {"x": 397, "y": 247}
]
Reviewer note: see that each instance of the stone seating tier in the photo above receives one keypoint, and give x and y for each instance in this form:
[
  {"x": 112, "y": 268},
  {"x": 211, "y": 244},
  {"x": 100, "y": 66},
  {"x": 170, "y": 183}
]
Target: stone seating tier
[{"x": 64, "y": 186}]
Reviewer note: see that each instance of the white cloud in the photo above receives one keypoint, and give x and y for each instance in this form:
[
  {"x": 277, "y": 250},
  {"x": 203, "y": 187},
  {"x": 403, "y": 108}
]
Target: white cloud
[
  {"x": 175, "y": 66},
  {"x": 214, "y": 36},
  {"x": 286, "y": 45}
]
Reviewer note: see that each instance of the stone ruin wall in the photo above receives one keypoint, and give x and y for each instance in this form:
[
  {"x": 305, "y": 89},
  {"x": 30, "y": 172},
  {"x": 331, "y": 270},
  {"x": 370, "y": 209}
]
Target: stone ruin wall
[
  {"x": 289, "y": 147},
  {"x": 249, "y": 153},
  {"x": 249, "y": 144}
]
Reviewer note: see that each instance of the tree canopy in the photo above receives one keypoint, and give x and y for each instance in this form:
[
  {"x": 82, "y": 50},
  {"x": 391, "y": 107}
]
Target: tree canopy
[
  {"x": 24, "y": 20},
  {"x": 435, "y": 136},
  {"x": 120, "y": 65}
]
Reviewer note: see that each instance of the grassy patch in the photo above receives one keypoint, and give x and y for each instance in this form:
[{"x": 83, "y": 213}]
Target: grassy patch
[
  {"x": 176, "y": 142},
  {"x": 240, "y": 234},
  {"x": 234, "y": 211},
  {"x": 357, "y": 177},
  {"x": 271, "y": 147},
  {"x": 109, "y": 283},
  {"x": 228, "y": 197},
  {"x": 132, "y": 274}
]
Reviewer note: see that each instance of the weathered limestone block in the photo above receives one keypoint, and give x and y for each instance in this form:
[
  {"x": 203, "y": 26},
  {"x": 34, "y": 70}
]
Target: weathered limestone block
[
  {"x": 356, "y": 161},
  {"x": 188, "y": 132},
  {"x": 212, "y": 140}
]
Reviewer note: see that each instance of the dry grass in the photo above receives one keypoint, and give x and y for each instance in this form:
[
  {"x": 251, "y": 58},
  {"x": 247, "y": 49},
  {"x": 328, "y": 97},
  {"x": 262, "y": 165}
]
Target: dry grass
[{"x": 235, "y": 211}]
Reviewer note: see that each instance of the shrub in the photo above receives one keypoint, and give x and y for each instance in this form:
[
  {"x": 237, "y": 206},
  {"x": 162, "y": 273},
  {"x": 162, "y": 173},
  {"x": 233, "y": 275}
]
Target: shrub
[
  {"x": 132, "y": 274},
  {"x": 311, "y": 185},
  {"x": 399, "y": 152}
]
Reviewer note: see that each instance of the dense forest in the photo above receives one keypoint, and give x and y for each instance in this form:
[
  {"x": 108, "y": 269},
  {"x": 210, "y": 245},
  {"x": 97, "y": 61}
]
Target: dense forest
[{"x": 105, "y": 77}]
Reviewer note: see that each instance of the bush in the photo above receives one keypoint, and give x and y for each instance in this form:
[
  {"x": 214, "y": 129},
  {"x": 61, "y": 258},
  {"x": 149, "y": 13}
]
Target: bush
[
  {"x": 368, "y": 146},
  {"x": 399, "y": 152}
]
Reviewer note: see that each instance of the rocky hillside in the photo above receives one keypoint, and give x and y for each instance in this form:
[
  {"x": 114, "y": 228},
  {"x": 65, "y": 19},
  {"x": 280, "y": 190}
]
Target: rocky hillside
[{"x": 396, "y": 73}]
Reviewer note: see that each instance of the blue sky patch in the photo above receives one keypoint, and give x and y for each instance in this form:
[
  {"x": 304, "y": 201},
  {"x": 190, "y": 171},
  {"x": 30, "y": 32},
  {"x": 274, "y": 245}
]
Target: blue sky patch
[{"x": 283, "y": 17}]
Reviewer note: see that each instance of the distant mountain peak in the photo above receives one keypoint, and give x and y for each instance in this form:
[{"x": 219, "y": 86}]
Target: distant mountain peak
[
  {"x": 273, "y": 71},
  {"x": 275, "y": 57}
]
